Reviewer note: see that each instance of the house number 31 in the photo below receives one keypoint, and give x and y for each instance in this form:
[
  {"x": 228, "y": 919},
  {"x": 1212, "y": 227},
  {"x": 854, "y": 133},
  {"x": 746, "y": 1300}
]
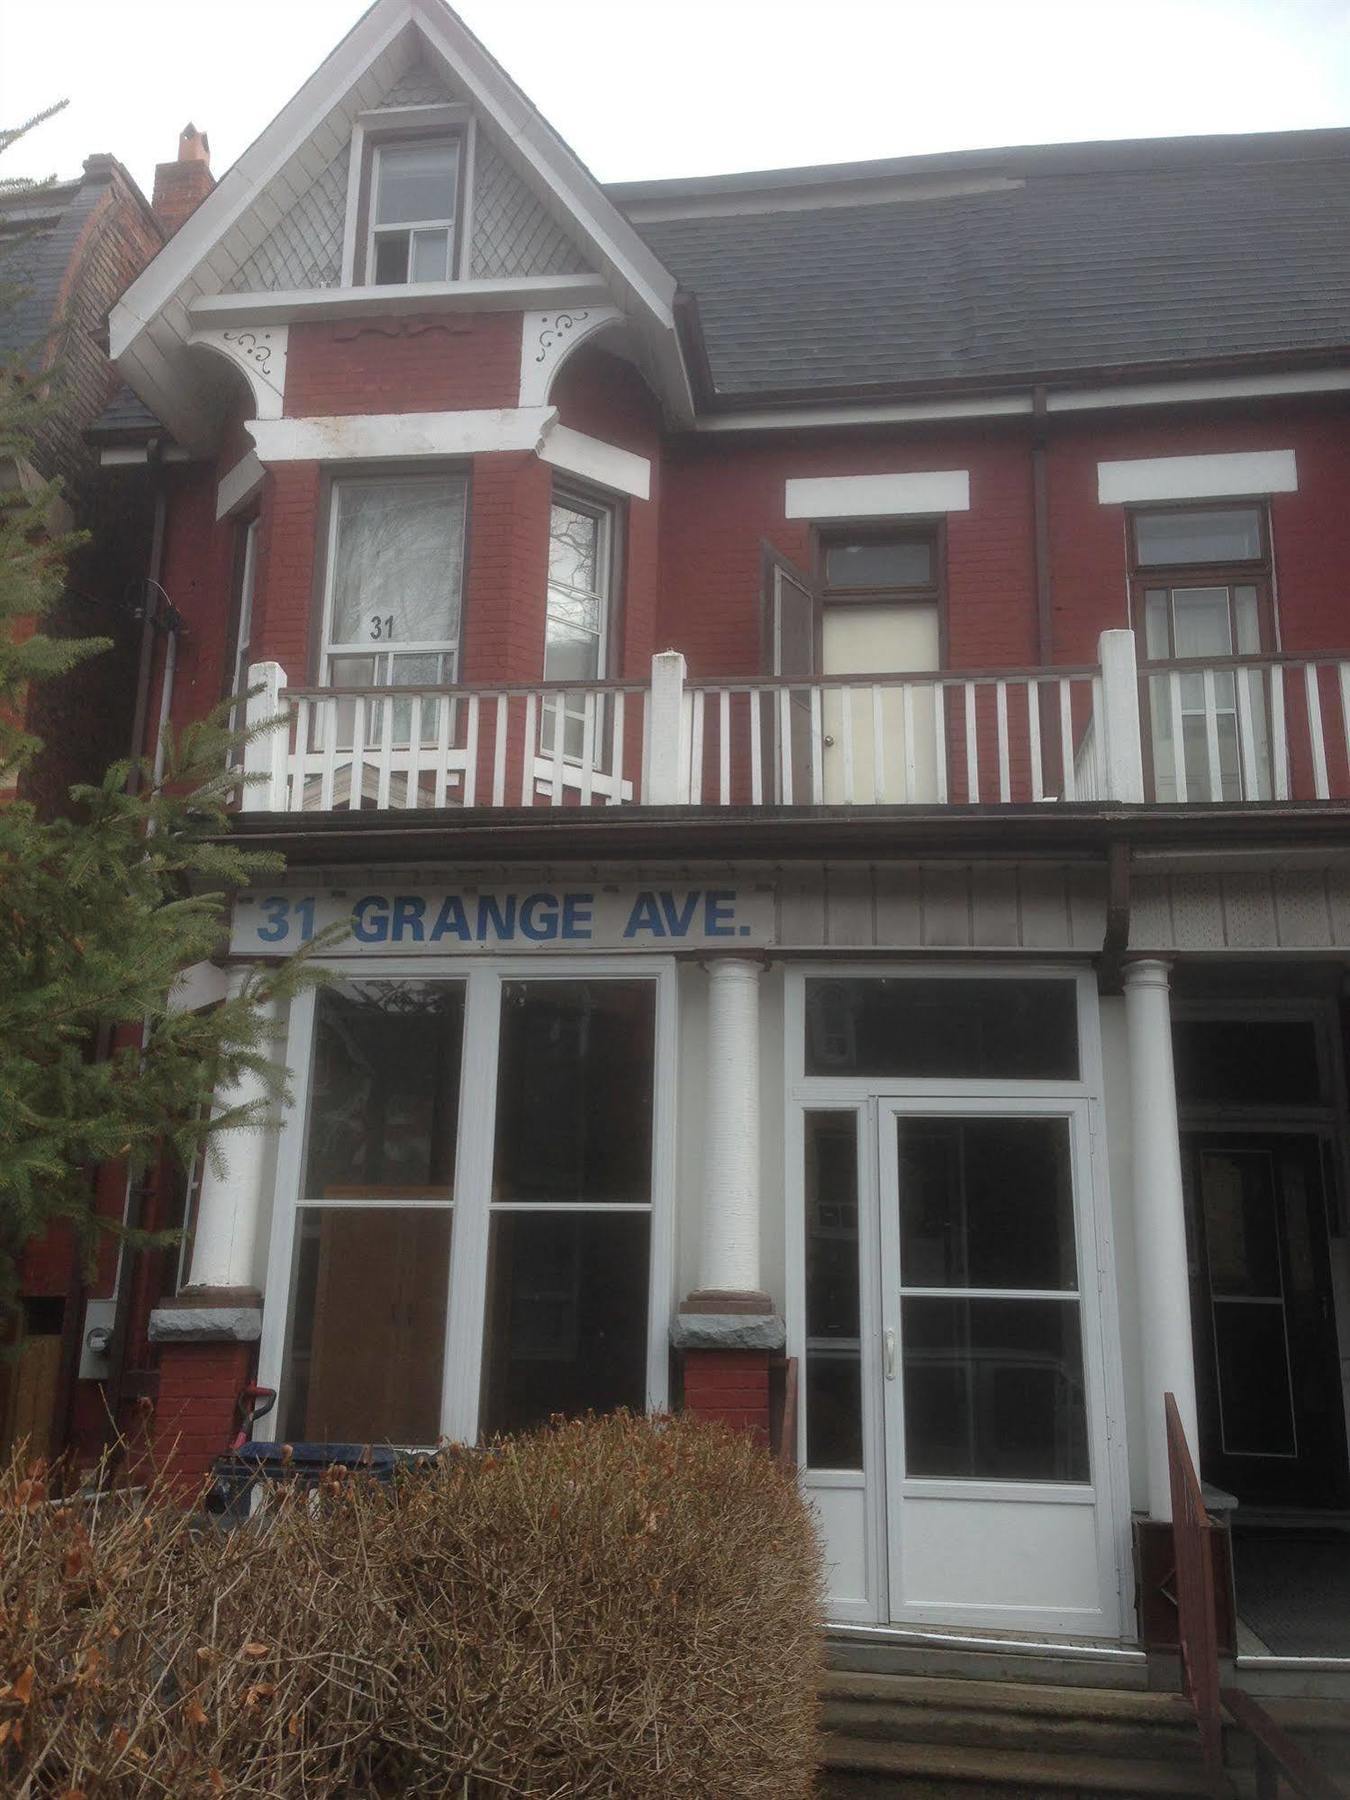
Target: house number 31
[{"x": 382, "y": 627}]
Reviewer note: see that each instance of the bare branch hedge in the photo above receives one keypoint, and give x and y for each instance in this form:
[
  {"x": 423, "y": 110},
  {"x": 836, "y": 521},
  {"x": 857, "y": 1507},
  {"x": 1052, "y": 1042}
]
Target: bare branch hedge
[{"x": 614, "y": 1607}]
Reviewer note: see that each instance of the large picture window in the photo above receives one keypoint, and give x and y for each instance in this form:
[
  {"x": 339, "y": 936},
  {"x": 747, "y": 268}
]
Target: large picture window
[{"x": 467, "y": 1158}]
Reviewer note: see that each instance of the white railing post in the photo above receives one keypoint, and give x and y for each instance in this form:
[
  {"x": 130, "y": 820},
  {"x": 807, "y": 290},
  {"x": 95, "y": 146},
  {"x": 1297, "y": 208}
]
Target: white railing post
[
  {"x": 1121, "y": 737},
  {"x": 268, "y": 753},
  {"x": 667, "y": 782}
]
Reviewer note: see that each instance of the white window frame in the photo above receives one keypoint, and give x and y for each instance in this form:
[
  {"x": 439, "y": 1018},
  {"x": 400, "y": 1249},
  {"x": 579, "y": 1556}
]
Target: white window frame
[
  {"x": 409, "y": 123},
  {"x": 243, "y": 625},
  {"x": 471, "y": 1202},
  {"x": 869, "y": 1097},
  {"x": 594, "y": 720}
]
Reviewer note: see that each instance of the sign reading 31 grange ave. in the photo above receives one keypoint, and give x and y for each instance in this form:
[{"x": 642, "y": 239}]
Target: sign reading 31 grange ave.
[{"x": 446, "y": 921}]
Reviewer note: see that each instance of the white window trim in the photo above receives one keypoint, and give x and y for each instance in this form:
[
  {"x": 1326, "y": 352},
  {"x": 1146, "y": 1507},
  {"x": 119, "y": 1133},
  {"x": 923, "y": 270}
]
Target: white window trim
[
  {"x": 878, "y": 496},
  {"x": 545, "y": 770},
  {"x": 1227, "y": 476},
  {"x": 433, "y": 121},
  {"x": 419, "y": 647},
  {"x": 472, "y": 1201},
  {"x": 1099, "y": 1319}
]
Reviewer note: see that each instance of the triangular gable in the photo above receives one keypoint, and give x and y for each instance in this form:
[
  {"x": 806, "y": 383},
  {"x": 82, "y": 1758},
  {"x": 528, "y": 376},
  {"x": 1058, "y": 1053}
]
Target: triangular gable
[
  {"x": 514, "y": 233},
  {"x": 292, "y": 173}
]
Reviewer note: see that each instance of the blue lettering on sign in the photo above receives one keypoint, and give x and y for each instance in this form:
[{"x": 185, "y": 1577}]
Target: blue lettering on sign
[
  {"x": 370, "y": 920},
  {"x": 450, "y": 921},
  {"x": 645, "y": 916},
  {"x": 409, "y": 917},
  {"x": 719, "y": 913},
  {"x": 539, "y": 917},
  {"x": 576, "y": 917},
  {"x": 502, "y": 918},
  {"x": 278, "y": 920},
  {"x": 679, "y": 918}
]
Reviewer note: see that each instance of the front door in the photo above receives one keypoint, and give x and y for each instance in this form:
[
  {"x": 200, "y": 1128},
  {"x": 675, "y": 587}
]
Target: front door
[
  {"x": 991, "y": 1378},
  {"x": 1272, "y": 1423}
]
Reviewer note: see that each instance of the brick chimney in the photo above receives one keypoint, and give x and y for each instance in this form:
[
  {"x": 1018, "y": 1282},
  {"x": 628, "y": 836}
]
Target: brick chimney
[{"x": 182, "y": 185}]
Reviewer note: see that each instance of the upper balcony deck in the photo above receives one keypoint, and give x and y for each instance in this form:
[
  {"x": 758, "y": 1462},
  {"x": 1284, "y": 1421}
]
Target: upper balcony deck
[{"x": 1236, "y": 731}]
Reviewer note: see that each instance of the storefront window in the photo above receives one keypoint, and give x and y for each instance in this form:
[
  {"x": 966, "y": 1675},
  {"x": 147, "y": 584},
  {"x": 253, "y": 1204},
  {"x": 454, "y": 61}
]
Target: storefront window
[{"x": 571, "y": 1190}]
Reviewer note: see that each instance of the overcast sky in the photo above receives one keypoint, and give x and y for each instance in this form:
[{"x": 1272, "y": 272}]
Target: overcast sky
[{"x": 645, "y": 88}]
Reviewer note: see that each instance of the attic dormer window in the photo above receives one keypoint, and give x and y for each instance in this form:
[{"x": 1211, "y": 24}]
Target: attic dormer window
[{"x": 413, "y": 212}]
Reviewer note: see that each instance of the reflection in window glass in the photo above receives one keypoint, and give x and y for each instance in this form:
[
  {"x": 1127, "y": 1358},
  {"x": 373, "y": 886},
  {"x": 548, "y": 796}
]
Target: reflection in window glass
[
  {"x": 1021, "y": 1030},
  {"x": 567, "y": 1316},
  {"x": 986, "y": 1203},
  {"x": 384, "y": 1094},
  {"x": 994, "y": 1390},
  {"x": 1197, "y": 534},
  {"x": 878, "y": 563},
  {"x": 574, "y": 1091},
  {"x": 367, "y": 1331},
  {"x": 833, "y": 1330}
]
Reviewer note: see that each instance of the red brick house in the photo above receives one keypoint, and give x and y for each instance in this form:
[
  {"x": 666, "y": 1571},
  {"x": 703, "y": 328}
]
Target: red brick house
[{"x": 822, "y": 700}]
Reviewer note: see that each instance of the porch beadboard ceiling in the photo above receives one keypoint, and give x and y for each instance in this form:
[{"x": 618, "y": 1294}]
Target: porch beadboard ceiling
[{"x": 1053, "y": 261}]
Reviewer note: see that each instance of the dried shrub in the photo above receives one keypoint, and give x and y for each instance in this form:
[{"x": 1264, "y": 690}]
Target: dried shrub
[{"x": 616, "y": 1607}]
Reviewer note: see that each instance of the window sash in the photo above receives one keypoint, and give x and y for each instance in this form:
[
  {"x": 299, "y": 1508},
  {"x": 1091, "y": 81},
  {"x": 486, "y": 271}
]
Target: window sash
[
  {"x": 387, "y": 230},
  {"x": 563, "y": 717}
]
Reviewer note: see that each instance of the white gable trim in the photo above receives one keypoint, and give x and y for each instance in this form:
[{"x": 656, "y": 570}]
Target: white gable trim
[
  {"x": 374, "y": 437},
  {"x": 878, "y": 496},
  {"x": 606, "y": 465},
  {"x": 1197, "y": 477},
  {"x": 239, "y": 485},
  {"x": 547, "y": 339}
]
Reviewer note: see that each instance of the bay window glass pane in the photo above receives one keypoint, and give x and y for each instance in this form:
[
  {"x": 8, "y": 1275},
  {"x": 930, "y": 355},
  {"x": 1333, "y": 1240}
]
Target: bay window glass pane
[
  {"x": 391, "y": 258},
  {"x": 384, "y": 1093},
  {"x": 833, "y": 1324},
  {"x": 993, "y": 1390},
  {"x": 1157, "y": 625},
  {"x": 574, "y": 1091},
  {"x": 1023, "y": 1030},
  {"x": 905, "y": 562},
  {"x": 986, "y": 1203},
  {"x": 398, "y": 562},
  {"x": 1200, "y": 622},
  {"x": 566, "y": 1316},
  {"x": 571, "y": 655},
  {"x": 367, "y": 1335},
  {"x": 416, "y": 182},
  {"x": 574, "y": 564},
  {"x": 1198, "y": 535}
]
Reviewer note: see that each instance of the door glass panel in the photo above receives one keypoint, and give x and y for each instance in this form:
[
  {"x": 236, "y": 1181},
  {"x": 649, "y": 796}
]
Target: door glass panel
[
  {"x": 1022, "y": 1030},
  {"x": 384, "y": 1097},
  {"x": 1252, "y": 1356},
  {"x": 567, "y": 1316},
  {"x": 993, "y": 1390},
  {"x": 833, "y": 1329},
  {"x": 1200, "y": 621},
  {"x": 1247, "y": 1062},
  {"x": 1198, "y": 535},
  {"x": 1241, "y": 1228},
  {"x": 986, "y": 1203},
  {"x": 367, "y": 1334},
  {"x": 574, "y": 1091},
  {"x": 1157, "y": 626}
]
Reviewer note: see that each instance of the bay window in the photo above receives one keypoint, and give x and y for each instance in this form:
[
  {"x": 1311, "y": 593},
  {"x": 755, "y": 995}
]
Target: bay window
[{"x": 580, "y": 555}]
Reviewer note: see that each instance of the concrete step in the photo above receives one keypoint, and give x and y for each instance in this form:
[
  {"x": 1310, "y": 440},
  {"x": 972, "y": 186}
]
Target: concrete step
[
  {"x": 1011, "y": 1662},
  {"x": 961, "y": 1769}
]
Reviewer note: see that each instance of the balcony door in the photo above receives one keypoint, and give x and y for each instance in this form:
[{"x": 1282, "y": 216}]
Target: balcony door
[
  {"x": 792, "y": 654},
  {"x": 1202, "y": 596}
]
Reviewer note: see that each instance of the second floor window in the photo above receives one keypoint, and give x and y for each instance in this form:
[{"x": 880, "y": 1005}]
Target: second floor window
[
  {"x": 414, "y": 203},
  {"x": 394, "y": 579},
  {"x": 580, "y": 553}
]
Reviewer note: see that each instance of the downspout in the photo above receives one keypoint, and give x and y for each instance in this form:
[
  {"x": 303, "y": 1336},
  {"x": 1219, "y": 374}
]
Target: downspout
[
  {"x": 1116, "y": 937},
  {"x": 149, "y": 616}
]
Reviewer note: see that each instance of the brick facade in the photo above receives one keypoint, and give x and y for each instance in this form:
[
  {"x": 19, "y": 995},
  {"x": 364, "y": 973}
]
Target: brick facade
[{"x": 730, "y": 1387}]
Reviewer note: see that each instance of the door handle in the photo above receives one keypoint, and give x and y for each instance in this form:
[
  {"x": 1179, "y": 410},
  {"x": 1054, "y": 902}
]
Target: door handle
[{"x": 888, "y": 1357}]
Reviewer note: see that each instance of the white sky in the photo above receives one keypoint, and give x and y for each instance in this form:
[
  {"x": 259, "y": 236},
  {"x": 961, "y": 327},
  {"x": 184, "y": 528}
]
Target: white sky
[{"x": 645, "y": 88}]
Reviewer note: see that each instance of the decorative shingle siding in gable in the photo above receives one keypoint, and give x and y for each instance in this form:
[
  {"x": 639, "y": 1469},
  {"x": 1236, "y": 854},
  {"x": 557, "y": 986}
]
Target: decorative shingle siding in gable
[
  {"x": 513, "y": 233},
  {"x": 304, "y": 249}
]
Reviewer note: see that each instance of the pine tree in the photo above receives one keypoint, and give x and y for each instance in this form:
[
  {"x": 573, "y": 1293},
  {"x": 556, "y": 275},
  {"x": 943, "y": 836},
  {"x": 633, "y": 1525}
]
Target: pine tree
[{"x": 101, "y": 911}]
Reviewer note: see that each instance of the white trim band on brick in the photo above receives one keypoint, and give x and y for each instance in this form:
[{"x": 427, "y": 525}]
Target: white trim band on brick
[
  {"x": 1197, "y": 477},
  {"x": 239, "y": 485},
  {"x": 373, "y": 436},
  {"x": 878, "y": 496},
  {"x": 606, "y": 465}
]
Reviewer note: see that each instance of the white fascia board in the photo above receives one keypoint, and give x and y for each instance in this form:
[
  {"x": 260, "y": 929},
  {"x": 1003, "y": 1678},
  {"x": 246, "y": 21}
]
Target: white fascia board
[
  {"x": 240, "y": 484},
  {"x": 878, "y": 496},
  {"x": 124, "y": 456},
  {"x": 606, "y": 465},
  {"x": 521, "y": 293},
  {"x": 269, "y": 152},
  {"x": 1197, "y": 477},
  {"x": 376, "y": 437}
]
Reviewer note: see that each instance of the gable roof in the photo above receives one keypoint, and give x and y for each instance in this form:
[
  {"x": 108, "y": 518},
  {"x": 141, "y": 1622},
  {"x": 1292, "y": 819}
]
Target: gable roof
[
  {"x": 151, "y": 327},
  {"x": 993, "y": 268}
]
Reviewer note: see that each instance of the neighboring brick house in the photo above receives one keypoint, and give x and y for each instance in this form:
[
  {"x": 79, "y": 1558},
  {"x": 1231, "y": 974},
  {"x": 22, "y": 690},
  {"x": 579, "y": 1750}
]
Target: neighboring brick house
[{"x": 803, "y": 686}]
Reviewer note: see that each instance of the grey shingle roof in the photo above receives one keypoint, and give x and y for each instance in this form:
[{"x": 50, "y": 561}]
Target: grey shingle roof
[
  {"x": 1124, "y": 256},
  {"x": 38, "y": 232},
  {"x": 124, "y": 415}
]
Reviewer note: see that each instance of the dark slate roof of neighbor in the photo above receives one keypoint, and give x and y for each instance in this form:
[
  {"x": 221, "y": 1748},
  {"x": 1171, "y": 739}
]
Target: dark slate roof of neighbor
[
  {"x": 1075, "y": 258},
  {"x": 39, "y": 228},
  {"x": 124, "y": 415}
]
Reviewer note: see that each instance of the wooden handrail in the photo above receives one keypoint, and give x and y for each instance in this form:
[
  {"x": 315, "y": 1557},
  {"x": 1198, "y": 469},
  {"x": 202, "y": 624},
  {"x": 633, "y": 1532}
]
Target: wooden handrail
[
  {"x": 1197, "y": 1627},
  {"x": 1277, "y": 1755}
]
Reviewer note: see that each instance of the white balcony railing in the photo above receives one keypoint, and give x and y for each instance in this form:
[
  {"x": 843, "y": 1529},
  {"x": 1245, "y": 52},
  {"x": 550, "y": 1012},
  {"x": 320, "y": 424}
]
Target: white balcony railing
[{"x": 1236, "y": 730}]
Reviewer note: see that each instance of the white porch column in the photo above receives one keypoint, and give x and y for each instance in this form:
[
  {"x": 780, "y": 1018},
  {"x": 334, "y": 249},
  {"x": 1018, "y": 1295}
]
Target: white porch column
[
  {"x": 229, "y": 1203},
  {"x": 729, "y": 1262},
  {"x": 1159, "y": 1222}
]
